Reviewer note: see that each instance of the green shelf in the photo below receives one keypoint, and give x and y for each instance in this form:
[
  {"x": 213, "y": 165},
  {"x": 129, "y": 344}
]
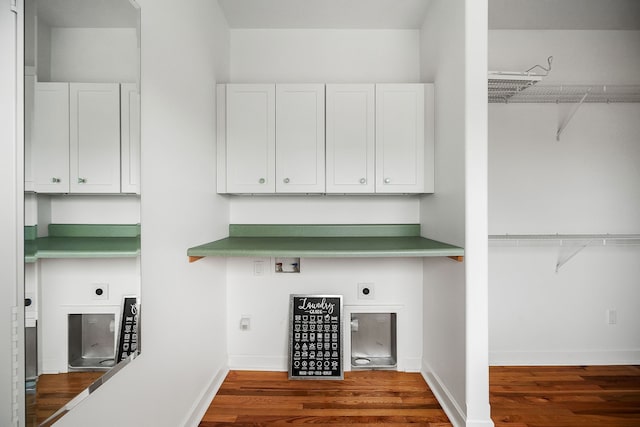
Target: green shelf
[{"x": 325, "y": 241}]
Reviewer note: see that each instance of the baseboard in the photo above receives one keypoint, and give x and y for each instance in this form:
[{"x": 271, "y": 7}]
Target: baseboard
[
  {"x": 410, "y": 364},
  {"x": 202, "y": 404},
  {"x": 258, "y": 363},
  {"x": 449, "y": 405},
  {"x": 564, "y": 358}
]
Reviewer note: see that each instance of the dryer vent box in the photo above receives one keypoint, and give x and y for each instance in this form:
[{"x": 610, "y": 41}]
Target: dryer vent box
[{"x": 373, "y": 341}]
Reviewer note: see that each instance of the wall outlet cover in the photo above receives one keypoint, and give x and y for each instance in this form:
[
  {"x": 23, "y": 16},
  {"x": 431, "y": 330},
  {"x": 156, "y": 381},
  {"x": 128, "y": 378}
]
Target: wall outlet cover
[
  {"x": 100, "y": 291},
  {"x": 366, "y": 291}
]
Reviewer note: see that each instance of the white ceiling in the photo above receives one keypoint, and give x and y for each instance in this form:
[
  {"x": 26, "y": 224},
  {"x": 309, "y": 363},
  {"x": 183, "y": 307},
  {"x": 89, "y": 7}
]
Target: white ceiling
[
  {"x": 374, "y": 14},
  {"x": 565, "y": 14},
  {"x": 410, "y": 14},
  {"x": 325, "y": 13}
]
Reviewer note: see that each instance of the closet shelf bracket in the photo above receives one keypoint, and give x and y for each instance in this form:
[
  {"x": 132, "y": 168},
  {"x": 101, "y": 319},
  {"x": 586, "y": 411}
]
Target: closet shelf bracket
[
  {"x": 564, "y": 124},
  {"x": 562, "y": 260}
]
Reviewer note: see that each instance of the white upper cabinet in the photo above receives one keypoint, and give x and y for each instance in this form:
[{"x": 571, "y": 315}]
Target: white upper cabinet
[
  {"x": 94, "y": 138},
  {"x": 379, "y": 138},
  {"x": 350, "y": 139},
  {"x": 130, "y": 138},
  {"x": 50, "y": 138},
  {"x": 402, "y": 152},
  {"x": 250, "y": 137},
  {"x": 300, "y": 138}
]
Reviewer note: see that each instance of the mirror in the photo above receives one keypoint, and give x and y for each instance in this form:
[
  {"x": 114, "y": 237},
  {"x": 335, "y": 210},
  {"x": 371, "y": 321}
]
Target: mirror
[{"x": 82, "y": 198}]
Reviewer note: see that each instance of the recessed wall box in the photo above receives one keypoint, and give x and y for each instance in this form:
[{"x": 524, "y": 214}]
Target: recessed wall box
[{"x": 287, "y": 265}]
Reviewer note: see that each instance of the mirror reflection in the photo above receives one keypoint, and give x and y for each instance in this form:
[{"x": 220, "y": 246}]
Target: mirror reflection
[{"x": 82, "y": 198}]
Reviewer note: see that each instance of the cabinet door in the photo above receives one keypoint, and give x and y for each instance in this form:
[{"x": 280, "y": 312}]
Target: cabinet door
[
  {"x": 350, "y": 138},
  {"x": 130, "y": 138},
  {"x": 250, "y": 138},
  {"x": 400, "y": 138},
  {"x": 50, "y": 138},
  {"x": 300, "y": 138},
  {"x": 29, "y": 96},
  {"x": 94, "y": 138}
]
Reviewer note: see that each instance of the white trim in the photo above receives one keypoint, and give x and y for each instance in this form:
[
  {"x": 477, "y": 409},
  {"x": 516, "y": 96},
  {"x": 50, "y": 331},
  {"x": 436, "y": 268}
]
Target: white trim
[
  {"x": 202, "y": 404},
  {"x": 257, "y": 363},
  {"x": 445, "y": 399},
  {"x": 551, "y": 358}
]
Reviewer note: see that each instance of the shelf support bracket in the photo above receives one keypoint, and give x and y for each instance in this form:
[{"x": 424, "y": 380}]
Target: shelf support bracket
[
  {"x": 573, "y": 112},
  {"x": 563, "y": 260},
  {"x": 195, "y": 258},
  {"x": 458, "y": 258}
]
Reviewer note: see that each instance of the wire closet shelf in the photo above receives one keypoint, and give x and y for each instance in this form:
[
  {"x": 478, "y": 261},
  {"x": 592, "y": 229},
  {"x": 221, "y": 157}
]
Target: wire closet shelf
[{"x": 524, "y": 87}]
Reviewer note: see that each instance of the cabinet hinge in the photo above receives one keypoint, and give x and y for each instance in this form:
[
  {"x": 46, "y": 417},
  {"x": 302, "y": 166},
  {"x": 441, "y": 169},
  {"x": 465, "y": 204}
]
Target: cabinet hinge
[{"x": 13, "y": 5}]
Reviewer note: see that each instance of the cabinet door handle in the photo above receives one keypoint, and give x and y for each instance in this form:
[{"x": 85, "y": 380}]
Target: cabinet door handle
[
  {"x": 286, "y": 180},
  {"x": 261, "y": 181},
  {"x": 82, "y": 180},
  {"x": 387, "y": 180},
  {"x": 363, "y": 181},
  {"x": 55, "y": 180}
]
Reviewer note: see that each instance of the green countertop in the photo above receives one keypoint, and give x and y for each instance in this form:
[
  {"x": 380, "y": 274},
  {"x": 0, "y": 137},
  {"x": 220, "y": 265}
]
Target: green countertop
[
  {"x": 83, "y": 241},
  {"x": 324, "y": 241}
]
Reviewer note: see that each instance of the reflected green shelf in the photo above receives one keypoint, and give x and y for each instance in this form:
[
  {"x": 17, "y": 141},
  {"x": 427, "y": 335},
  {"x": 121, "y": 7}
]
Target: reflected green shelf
[{"x": 83, "y": 241}]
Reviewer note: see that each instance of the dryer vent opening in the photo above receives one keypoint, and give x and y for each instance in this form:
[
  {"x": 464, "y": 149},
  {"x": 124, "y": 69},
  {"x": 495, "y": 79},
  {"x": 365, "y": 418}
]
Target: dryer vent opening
[
  {"x": 373, "y": 341},
  {"x": 91, "y": 342}
]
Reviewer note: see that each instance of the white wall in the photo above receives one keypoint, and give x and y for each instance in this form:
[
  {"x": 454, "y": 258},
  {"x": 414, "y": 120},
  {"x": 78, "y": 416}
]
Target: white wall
[
  {"x": 442, "y": 214},
  {"x": 325, "y": 210},
  {"x": 183, "y": 305},
  {"x": 94, "y": 55},
  {"x": 586, "y": 183},
  {"x": 455, "y": 355},
  {"x": 323, "y": 56},
  {"x": 397, "y": 284}
]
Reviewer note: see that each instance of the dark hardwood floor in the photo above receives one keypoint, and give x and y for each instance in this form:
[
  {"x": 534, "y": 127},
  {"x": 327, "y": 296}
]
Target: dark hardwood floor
[
  {"x": 552, "y": 396},
  {"x": 364, "y": 397},
  {"x": 589, "y": 396},
  {"x": 53, "y": 391}
]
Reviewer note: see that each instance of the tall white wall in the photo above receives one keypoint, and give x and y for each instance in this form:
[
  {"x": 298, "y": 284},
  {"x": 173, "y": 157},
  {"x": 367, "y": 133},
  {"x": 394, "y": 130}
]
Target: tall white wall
[
  {"x": 586, "y": 183},
  {"x": 184, "y": 352},
  {"x": 455, "y": 348},
  {"x": 323, "y": 56}
]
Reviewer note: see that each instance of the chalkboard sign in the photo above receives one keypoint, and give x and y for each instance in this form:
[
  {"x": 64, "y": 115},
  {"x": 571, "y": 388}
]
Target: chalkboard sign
[
  {"x": 128, "y": 339},
  {"x": 315, "y": 337}
]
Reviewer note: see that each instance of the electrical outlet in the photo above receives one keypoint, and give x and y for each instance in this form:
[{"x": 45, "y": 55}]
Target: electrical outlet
[
  {"x": 612, "y": 316},
  {"x": 245, "y": 322},
  {"x": 258, "y": 268},
  {"x": 100, "y": 291},
  {"x": 366, "y": 291}
]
